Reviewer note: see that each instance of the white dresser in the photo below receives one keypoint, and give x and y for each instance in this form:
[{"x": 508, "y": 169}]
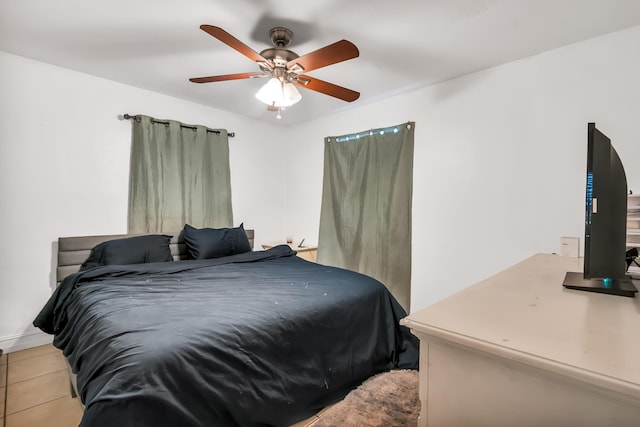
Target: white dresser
[{"x": 518, "y": 349}]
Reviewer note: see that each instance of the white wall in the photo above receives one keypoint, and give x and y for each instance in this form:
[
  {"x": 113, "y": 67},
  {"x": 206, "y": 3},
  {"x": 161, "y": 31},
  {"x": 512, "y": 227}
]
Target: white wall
[
  {"x": 498, "y": 170},
  {"x": 499, "y": 162},
  {"x": 64, "y": 167}
]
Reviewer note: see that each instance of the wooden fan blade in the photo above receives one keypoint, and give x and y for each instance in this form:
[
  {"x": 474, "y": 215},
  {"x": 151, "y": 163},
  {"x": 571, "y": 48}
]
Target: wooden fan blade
[
  {"x": 328, "y": 55},
  {"x": 226, "y": 77},
  {"x": 327, "y": 88},
  {"x": 233, "y": 42}
]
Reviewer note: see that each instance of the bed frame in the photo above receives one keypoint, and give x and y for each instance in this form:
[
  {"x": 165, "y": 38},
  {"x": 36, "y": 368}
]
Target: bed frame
[{"x": 73, "y": 251}]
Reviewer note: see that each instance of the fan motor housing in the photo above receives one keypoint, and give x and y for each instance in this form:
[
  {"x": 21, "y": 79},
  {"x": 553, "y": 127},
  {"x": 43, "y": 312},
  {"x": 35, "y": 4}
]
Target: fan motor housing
[
  {"x": 279, "y": 55},
  {"x": 273, "y": 54}
]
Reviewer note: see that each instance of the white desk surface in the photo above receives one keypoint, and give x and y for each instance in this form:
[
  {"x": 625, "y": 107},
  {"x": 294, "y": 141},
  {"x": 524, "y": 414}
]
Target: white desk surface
[{"x": 525, "y": 314}]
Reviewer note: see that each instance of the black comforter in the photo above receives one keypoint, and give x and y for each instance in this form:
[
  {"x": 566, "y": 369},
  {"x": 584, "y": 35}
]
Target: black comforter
[{"x": 257, "y": 339}]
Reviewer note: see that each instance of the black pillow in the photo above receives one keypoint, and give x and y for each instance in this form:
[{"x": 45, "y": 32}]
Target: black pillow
[
  {"x": 204, "y": 243},
  {"x": 130, "y": 250}
]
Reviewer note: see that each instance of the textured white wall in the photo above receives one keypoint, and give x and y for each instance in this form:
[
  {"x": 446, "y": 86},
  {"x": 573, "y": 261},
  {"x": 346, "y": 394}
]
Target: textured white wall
[
  {"x": 64, "y": 167},
  {"x": 500, "y": 158}
]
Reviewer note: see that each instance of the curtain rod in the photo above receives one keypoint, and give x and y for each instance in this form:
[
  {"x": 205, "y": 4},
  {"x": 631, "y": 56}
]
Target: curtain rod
[
  {"x": 130, "y": 117},
  {"x": 370, "y": 132}
]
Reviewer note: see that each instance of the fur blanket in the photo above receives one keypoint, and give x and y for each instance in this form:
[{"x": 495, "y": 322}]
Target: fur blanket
[{"x": 389, "y": 399}]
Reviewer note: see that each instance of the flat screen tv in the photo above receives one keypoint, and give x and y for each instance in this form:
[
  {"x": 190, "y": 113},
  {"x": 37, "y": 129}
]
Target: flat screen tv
[{"x": 605, "y": 226}]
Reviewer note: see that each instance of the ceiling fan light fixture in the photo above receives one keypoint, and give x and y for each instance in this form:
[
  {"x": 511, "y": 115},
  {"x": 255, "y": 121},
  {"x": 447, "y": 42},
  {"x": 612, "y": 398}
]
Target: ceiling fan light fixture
[
  {"x": 290, "y": 93},
  {"x": 271, "y": 92},
  {"x": 276, "y": 93}
]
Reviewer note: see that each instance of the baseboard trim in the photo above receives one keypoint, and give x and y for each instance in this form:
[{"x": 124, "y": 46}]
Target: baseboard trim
[{"x": 24, "y": 341}]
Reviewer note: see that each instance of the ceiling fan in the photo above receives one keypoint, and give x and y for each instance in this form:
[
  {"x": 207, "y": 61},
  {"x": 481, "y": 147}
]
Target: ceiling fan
[{"x": 285, "y": 68}]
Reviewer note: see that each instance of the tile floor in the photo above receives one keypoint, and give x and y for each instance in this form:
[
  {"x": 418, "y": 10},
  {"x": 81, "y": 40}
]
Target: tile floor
[{"x": 34, "y": 390}]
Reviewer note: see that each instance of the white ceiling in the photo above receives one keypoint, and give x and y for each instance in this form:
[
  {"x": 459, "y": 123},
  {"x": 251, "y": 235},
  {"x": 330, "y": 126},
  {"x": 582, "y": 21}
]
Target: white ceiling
[{"x": 404, "y": 44}]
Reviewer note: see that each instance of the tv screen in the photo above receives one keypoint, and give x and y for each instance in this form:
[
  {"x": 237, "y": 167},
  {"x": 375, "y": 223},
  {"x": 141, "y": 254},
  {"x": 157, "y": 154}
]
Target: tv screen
[{"x": 605, "y": 228}]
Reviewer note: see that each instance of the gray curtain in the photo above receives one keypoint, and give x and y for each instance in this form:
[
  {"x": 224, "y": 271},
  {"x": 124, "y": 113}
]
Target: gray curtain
[
  {"x": 365, "y": 220},
  {"x": 179, "y": 175}
]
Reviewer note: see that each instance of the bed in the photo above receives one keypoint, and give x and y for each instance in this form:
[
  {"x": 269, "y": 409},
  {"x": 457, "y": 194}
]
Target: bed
[{"x": 256, "y": 338}]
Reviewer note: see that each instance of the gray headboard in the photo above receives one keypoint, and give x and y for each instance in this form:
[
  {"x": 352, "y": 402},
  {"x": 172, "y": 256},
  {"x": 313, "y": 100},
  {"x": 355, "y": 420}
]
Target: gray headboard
[{"x": 73, "y": 251}]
